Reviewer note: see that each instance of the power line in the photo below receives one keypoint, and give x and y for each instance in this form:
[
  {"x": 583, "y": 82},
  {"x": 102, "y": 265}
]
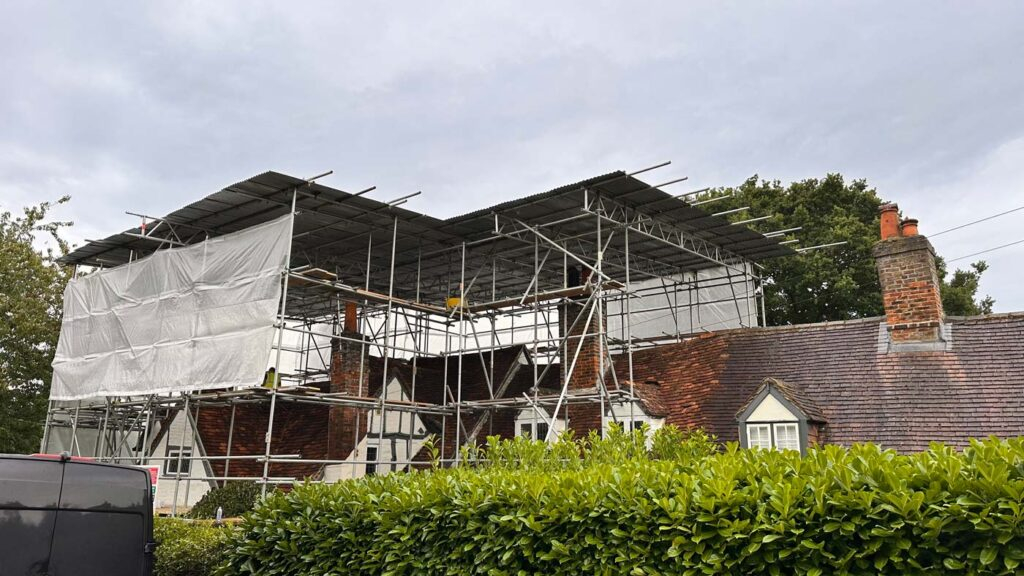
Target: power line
[
  {"x": 976, "y": 222},
  {"x": 988, "y": 250}
]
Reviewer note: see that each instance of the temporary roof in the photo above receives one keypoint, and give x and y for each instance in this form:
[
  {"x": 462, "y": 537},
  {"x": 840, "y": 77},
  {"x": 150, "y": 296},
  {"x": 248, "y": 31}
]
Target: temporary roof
[{"x": 334, "y": 230}]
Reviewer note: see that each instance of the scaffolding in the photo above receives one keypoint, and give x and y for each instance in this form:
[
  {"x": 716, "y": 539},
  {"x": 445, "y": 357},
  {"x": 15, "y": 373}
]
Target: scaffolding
[{"x": 545, "y": 275}]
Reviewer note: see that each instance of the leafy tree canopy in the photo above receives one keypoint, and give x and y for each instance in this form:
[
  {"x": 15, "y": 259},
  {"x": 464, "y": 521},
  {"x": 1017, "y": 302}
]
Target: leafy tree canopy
[
  {"x": 836, "y": 283},
  {"x": 31, "y": 298},
  {"x": 959, "y": 293}
]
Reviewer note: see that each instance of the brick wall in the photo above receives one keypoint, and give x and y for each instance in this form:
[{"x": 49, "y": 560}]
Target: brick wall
[
  {"x": 345, "y": 379},
  {"x": 582, "y": 417},
  {"x": 910, "y": 288}
]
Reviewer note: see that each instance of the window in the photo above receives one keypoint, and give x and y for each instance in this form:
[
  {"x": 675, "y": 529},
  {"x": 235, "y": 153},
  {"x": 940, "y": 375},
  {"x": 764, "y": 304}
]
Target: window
[
  {"x": 781, "y": 436},
  {"x": 371, "y": 460},
  {"x": 759, "y": 436},
  {"x": 537, "y": 431},
  {"x": 530, "y": 423},
  {"x": 171, "y": 464},
  {"x": 787, "y": 436}
]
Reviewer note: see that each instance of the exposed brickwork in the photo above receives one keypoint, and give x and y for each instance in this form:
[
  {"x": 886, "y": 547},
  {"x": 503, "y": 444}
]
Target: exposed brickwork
[
  {"x": 349, "y": 375},
  {"x": 910, "y": 288},
  {"x": 298, "y": 429},
  {"x": 817, "y": 434},
  {"x": 582, "y": 417}
]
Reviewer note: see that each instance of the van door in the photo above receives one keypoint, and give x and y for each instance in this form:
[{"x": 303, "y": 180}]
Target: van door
[
  {"x": 29, "y": 492},
  {"x": 103, "y": 523}
]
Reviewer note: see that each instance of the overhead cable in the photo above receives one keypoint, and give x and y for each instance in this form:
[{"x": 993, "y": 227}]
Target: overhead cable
[
  {"x": 976, "y": 222},
  {"x": 988, "y": 250}
]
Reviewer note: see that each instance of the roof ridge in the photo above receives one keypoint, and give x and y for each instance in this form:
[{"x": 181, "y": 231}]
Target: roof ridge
[{"x": 984, "y": 317}]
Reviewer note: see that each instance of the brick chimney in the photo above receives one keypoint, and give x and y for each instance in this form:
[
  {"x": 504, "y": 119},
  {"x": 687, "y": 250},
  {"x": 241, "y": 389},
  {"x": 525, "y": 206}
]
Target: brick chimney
[
  {"x": 582, "y": 417},
  {"x": 910, "y": 283},
  {"x": 346, "y": 357}
]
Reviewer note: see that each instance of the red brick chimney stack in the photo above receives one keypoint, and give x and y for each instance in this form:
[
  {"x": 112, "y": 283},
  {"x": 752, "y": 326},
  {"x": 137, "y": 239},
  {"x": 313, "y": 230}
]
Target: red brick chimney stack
[
  {"x": 351, "y": 315},
  {"x": 582, "y": 417},
  {"x": 910, "y": 285},
  {"x": 346, "y": 377}
]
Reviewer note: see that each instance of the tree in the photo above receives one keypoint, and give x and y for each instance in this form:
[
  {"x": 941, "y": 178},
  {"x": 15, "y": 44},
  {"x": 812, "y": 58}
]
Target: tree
[
  {"x": 31, "y": 299},
  {"x": 959, "y": 294},
  {"x": 835, "y": 283}
]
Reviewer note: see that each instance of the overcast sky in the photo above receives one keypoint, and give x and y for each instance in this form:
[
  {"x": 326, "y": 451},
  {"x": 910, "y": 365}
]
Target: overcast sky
[{"x": 149, "y": 108}]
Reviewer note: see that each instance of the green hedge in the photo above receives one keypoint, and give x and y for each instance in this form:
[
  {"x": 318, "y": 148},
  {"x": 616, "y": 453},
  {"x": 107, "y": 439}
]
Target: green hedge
[
  {"x": 615, "y": 509},
  {"x": 187, "y": 548},
  {"x": 234, "y": 498}
]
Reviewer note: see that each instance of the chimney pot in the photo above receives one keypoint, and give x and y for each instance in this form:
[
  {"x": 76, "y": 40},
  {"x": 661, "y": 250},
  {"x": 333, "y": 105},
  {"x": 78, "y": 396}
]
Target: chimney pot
[
  {"x": 889, "y": 220},
  {"x": 908, "y": 227},
  {"x": 350, "y": 317}
]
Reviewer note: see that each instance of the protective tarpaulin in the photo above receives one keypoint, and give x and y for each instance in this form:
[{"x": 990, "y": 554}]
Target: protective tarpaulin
[
  {"x": 182, "y": 319},
  {"x": 710, "y": 299}
]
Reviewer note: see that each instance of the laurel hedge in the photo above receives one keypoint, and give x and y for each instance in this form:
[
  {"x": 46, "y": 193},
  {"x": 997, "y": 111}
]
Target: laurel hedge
[
  {"x": 620, "y": 506},
  {"x": 187, "y": 548},
  {"x": 233, "y": 498}
]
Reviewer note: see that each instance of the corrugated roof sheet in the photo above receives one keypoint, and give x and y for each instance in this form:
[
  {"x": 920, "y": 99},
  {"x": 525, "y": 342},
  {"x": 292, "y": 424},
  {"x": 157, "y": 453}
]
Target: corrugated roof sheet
[{"x": 335, "y": 230}]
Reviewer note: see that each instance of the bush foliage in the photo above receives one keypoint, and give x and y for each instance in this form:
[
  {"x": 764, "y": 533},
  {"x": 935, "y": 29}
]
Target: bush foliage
[
  {"x": 187, "y": 548},
  {"x": 615, "y": 506},
  {"x": 235, "y": 498}
]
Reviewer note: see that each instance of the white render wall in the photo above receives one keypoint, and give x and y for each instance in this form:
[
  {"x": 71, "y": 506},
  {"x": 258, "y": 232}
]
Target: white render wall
[
  {"x": 771, "y": 410},
  {"x": 393, "y": 449},
  {"x": 189, "y": 491}
]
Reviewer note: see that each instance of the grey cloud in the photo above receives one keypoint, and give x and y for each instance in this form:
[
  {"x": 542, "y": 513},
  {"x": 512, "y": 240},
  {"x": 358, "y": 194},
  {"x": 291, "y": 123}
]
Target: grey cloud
[{"x": 147, "y": 108}]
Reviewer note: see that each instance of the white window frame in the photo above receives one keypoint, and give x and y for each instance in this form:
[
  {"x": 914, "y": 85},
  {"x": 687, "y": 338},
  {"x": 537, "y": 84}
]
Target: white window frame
[
  {"x": 771, "y": 429},
  {"x": 172, "y": 460},
  {"x": 763, "y": 430},
  {"x": 630, "y": 419},
  {"x": 794, "y": 436},
  {"x": 531, "y": 420},
  {"x": 534, "y": 430}
]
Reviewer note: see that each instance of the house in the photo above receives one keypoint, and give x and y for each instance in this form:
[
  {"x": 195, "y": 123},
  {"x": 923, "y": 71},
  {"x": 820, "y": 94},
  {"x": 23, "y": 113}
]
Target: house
[
  {"x": 416, "y": 337},
  {"x": 902, "y": 381}
]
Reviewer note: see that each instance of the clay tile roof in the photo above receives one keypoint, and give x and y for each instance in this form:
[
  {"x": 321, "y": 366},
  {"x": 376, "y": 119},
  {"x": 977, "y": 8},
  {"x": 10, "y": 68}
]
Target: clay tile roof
[
  {"x": 901, "y": 400},
  {"x": 793, "y": 394},
  {"x": 649, "y": 395}
]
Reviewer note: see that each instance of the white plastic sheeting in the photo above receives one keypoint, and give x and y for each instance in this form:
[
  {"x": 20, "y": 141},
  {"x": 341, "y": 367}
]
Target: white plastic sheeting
[
  {"x": 710, "y": 299},
  {"x": 182, "y": 319}
]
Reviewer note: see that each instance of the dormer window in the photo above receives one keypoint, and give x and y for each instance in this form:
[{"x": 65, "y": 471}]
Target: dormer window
[
  {"x": 779, "y": 417},
  {"x": 630, "y": 419},
  {"x": 533, "y": 425}
]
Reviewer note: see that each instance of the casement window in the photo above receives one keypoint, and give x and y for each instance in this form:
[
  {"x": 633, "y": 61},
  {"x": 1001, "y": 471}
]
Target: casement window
[
  {"x": 629, "y": 419},
  {"x": 534, "y": 430},
  {"x": 171, "y": 464},
  {"x": 759, "y": 436},
  {"x": 627, "y": 425},
  {"x": 371, "y": 460},
  {"x": 529, "y": 424},
  {"x": 780, "y": 435},
  {"x": 787, "y": 436}
]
